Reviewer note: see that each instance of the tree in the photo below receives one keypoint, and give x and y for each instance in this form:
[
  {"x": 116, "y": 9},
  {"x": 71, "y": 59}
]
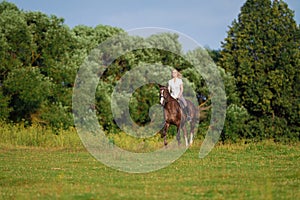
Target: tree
[
  {"x": 4, "y": 5},
  {"x": 28, "y": 89},
  {"x": 15, "y": 39},
  {"x": 262, "y": 53},
  {"x": 4, "y": 105}
]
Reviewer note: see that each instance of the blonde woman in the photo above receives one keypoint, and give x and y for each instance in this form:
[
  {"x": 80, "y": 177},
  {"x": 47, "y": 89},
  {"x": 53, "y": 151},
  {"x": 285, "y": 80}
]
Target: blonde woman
[{"x": 175, "y": 87}]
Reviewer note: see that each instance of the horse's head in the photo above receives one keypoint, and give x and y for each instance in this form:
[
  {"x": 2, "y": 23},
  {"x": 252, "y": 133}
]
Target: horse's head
[{"x": 163, "y": 94}]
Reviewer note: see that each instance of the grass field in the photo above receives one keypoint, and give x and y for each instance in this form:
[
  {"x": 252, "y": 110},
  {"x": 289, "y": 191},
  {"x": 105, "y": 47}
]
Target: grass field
[{"x": 248, "y": 171}]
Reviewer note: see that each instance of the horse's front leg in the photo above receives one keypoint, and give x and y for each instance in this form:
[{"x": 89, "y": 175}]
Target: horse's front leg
[
  {"x": 178, "y": 135},
  {"x": 164, "y": 135}
]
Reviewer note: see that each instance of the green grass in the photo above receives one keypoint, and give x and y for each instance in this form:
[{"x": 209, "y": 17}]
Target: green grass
[{"x": 253, "y": 171}]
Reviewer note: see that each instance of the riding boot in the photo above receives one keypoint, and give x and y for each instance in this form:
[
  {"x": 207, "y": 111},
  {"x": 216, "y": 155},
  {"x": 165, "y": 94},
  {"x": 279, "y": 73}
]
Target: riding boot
[{"x": 187, "y": 113}]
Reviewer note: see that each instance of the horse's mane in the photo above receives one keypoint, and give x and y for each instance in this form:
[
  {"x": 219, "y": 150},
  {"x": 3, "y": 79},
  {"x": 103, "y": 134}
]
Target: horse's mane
[{"x": 165, "y": 88}]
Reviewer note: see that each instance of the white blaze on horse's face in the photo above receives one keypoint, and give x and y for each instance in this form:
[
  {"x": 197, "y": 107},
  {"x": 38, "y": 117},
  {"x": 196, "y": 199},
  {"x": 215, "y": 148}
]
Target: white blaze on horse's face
[{"x": 162, "y": 97}]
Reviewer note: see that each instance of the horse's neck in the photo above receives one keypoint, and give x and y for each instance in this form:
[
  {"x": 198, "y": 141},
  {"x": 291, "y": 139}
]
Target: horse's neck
[{"x": 169, "y": 98}]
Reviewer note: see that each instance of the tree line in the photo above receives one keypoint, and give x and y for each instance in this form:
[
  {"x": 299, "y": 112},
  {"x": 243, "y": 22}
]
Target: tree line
[{"x": 259, "y": 62}]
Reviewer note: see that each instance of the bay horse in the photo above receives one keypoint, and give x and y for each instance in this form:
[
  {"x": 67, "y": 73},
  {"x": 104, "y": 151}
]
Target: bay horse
[{"x": 174, "y": 115}]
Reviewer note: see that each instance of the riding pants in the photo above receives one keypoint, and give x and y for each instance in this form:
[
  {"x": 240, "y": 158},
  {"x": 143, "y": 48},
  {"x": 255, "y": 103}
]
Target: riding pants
[{"x": 183, "y": 101}]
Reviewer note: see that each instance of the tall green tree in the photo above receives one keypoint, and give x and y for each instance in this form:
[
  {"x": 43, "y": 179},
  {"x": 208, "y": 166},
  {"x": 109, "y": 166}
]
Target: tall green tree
[
  {"x": 15, "y": 50},
  {"x": 15, "y": 39},
  {"x": 262, "y": 52}
]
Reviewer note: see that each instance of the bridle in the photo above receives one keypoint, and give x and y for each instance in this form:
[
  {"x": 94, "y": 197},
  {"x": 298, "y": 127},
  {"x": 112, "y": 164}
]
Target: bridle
[{"x": 161, "y": 97}]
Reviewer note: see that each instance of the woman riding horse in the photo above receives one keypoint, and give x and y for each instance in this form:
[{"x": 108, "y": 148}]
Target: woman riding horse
[{"x": 174, "y": 114}]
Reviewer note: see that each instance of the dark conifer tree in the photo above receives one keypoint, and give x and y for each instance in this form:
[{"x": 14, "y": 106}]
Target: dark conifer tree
[{"x": 262, "y": 52}]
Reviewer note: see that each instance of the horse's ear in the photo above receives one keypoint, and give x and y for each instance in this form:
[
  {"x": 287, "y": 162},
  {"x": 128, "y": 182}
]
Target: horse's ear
[{"x": 159, "y": 85}]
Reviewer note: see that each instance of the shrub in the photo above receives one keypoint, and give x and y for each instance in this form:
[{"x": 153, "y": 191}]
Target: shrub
[{"x": 234, "y": 126}]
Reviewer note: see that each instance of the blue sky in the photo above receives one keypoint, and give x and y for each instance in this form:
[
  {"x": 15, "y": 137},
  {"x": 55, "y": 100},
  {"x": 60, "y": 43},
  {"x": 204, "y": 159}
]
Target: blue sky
[{"x": 204, "y": 21}]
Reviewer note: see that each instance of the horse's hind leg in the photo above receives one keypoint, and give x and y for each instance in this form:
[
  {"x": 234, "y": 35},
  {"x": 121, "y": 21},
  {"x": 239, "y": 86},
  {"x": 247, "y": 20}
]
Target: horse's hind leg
[
  {"x": 192, "y": 132},
  {"x": 185, "y": 136}
]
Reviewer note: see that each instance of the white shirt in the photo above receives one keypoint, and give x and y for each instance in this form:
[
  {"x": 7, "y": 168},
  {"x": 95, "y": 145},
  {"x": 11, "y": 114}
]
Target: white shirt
[{"x": 175, "y": 87}]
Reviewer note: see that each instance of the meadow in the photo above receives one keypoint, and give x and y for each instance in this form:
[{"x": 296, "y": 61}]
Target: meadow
[{"x": 63, "y": 169}]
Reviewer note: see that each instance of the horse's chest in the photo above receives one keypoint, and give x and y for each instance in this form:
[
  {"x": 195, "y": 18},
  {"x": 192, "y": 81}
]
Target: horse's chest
[{"x": 172, "y": 116}]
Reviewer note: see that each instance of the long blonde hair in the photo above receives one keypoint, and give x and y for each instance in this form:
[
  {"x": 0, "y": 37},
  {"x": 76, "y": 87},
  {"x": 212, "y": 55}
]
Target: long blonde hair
[{"x": 179, "y": 75}]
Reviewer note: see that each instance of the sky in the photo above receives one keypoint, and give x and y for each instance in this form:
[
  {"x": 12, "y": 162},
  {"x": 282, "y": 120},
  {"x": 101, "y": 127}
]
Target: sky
[{"x": 205, "y": 21}]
